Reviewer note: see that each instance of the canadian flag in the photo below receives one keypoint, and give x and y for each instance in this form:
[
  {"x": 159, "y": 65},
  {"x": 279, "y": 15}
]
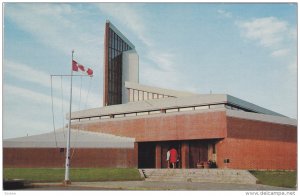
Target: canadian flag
[{"x": 76, "y": 66}]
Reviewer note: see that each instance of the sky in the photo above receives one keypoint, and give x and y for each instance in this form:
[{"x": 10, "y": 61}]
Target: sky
[{"x": 246, "y": 50}]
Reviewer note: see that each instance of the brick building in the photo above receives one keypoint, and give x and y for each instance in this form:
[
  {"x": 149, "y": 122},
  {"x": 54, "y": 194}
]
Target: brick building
[{"x": 218, "y": 127}]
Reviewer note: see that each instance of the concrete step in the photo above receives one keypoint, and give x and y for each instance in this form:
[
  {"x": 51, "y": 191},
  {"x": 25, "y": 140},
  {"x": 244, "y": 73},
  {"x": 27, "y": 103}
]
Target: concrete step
[{"x": 200, "y": 175}]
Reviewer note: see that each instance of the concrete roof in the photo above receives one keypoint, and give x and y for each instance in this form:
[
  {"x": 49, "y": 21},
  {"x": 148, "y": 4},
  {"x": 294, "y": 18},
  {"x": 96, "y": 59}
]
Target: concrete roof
[
  {"x": 229, "y": 112},
  {"x": 261, "y": 117},
  {"x": 79, "y": 139},
  {"x": 171, "y": 102},
  {"x": 156, "y": 90}
]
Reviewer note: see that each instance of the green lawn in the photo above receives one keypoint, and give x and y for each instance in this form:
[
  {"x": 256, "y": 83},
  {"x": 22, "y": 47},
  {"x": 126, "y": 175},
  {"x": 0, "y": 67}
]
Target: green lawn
[
  {"x": 277, "y": 178},
  {"x": 76, "y": 174}
]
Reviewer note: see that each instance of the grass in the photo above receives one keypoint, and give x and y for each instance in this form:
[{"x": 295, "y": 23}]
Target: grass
[
  {"x": 76, "y": 174},
  {"x": 277, "y": 178}
]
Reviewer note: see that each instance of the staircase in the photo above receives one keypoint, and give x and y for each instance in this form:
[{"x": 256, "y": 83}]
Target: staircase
[{"x": 200, "y": 175}]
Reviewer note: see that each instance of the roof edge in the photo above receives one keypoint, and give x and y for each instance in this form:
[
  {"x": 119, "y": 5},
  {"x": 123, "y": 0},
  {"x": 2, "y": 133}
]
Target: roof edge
[{"x": 261, "y": 117}]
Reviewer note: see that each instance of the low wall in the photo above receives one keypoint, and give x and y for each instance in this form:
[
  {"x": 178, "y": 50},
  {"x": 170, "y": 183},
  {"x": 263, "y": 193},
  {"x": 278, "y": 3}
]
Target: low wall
[{"x": 55, "y": 157}]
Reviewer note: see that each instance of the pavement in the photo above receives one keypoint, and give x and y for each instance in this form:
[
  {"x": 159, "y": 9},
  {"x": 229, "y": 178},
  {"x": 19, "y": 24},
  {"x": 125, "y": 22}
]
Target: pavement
[{"x": 148, "y": 185}]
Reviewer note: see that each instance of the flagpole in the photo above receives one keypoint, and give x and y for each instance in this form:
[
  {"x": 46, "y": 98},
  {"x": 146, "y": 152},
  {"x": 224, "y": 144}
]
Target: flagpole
[{"x": 67, "y": 170}]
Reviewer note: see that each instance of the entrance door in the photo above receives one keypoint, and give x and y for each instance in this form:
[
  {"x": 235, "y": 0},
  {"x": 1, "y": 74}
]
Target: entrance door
[
  {"x": 198, "y": 153},
  {"x": 165, "y": 146},
  {"x": 146, "y": 155}
]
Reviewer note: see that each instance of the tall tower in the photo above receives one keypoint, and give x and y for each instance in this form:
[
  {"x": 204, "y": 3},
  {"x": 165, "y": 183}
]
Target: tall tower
[{"x": 121, "y": 63}]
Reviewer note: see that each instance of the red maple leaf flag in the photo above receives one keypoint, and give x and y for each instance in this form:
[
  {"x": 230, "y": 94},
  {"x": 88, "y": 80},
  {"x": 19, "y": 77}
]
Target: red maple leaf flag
[
  {"x": 81, "y": 67},
  {"x": 89, "y": 72},
  {"x": 74, "y": 66}
]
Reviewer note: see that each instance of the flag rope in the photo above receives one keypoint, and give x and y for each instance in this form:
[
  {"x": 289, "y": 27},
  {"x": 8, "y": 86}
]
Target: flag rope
[
  {"x": 53, "y": 120},
  {"x": 78, "y": 126},
  {"x": 76, "y": 136},
  {"x": 86, "y": 99},
  {"x": 62, "y": 106}
]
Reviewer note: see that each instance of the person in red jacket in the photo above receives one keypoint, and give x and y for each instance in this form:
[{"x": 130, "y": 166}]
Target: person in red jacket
[{"x": 173, "y": 157}]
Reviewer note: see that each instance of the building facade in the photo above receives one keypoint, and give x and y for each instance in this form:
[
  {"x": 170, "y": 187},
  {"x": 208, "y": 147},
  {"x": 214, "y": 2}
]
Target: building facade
[{"x": 219, "y": 128}]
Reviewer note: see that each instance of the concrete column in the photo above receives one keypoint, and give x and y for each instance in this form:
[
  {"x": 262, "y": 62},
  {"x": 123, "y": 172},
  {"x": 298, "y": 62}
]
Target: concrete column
[
  {"x": 158, "y": 155},
  {"x": 185, "y": 154}
]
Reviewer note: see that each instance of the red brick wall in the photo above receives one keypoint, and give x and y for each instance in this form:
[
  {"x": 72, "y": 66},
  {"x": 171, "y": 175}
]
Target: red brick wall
[
  {"x": 258, "y": 145},
  {"x": 165, "y": 127},
  {"x": 85, "y": 157}
]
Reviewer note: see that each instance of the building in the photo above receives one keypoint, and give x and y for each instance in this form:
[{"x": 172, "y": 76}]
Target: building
[
  {"x": 120, "y": 64},
  {"x": 218, "y": 127}
]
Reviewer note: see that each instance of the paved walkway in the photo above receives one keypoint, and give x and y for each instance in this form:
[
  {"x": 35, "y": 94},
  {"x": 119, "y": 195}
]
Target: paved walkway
[{"x": 146, "y": 185}]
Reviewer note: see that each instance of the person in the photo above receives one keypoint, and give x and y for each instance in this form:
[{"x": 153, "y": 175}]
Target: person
[
  {"x": 173, "y": 157},
  {"x": 168, "y": 158}
]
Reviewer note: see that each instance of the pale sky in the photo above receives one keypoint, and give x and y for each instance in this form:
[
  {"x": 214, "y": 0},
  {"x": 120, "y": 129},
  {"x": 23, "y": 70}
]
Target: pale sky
[{"x": 246, "y": 50}]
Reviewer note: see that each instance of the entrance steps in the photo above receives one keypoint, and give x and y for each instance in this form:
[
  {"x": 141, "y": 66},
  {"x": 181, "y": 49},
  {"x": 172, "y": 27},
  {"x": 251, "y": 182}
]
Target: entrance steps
[{"x": 200, "y": 175}]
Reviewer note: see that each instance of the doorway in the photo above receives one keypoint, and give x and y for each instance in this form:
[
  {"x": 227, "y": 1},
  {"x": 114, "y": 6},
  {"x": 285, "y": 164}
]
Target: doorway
[
  {"x": 146, "y": 155},
  {"x": 165, "y": 146},
  {"x": 198, "y": 152}
]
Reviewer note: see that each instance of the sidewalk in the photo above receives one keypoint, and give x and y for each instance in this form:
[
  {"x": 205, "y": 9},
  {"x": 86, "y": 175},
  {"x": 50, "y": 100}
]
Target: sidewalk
[{"x": 146, "y": 185}]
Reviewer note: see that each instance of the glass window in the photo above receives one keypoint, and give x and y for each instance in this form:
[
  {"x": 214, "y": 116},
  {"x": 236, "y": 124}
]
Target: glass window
[
  {"x": 123, "y": 46},
  {"x": 119, "y": 115},
  {"x": 201, "y": 107},
  {"x": 141, "y": 113},
  {"x": 172, "y": 110},
  {"x": 155, "y": 112},
  {"x": 112, "y": 42},
  {"x": 110, "y": 37},
  {"x": 186, "y": 109},
  {"x": 130, "y": 114},
  {"x": 217, "y": 106},
  {"x": 116, "y": 41},
  {"x": 116, "y": 46}
]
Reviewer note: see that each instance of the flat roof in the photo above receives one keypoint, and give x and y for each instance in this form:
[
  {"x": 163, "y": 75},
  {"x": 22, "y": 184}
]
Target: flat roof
[
  {"x": 79, "y": 139},
  {"x": 261, "y": 117},
  {"x": 169, "y": 103}
]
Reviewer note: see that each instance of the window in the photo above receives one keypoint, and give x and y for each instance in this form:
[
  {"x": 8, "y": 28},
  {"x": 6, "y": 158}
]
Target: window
[
  {"x": 217, "y": 106},
  {"x": 201, "y": 107},
  {"x": 186, "y": 109},
  {"x": 155, "y": 112},
  {"x": 130, "y": 114},
  {"x": 172, "y": 110},
  {"x": 115, "y": 48},
  {"x": 141, "y": 113},
  {"x": 119, "y": 115}
]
